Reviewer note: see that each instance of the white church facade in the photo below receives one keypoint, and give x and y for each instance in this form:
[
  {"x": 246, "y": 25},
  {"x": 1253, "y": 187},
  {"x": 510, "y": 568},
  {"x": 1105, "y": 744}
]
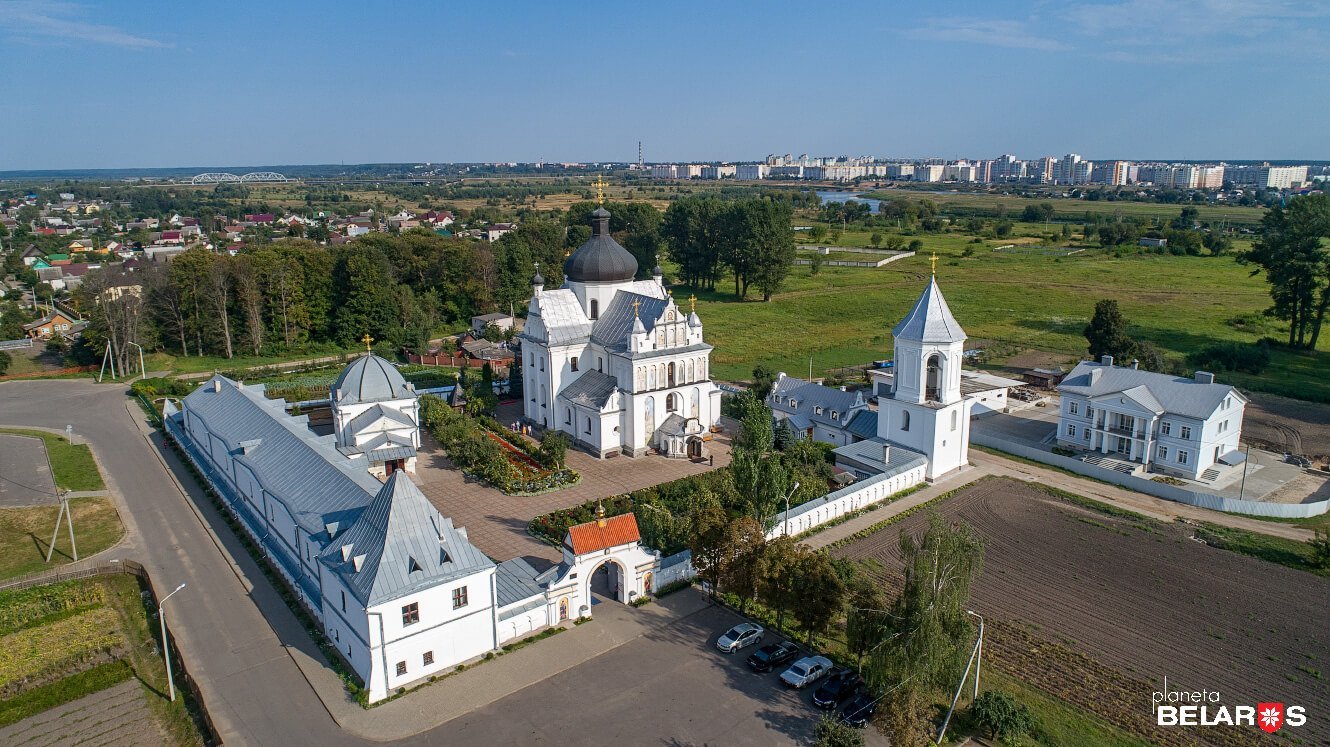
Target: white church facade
[{"x": 614, "y": 362}]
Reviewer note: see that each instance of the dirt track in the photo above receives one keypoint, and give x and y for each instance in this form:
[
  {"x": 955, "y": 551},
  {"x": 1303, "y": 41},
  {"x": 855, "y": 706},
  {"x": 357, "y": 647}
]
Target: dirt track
[
  {"x": 1281, "y": 424},
  {"x": 1142, "y": 600}
]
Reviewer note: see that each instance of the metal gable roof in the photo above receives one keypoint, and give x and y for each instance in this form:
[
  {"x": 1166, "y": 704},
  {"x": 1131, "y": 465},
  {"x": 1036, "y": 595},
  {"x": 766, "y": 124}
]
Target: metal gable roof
[
  {"x": 591, "y": 388},
  {"x": 864, "y": 424},
  {"x": 364, "y": 419},
  {"x": 515, "y": 581},
  {"x": 616, "y": 321},
  {"x": 930, "y": 320},
  {"x": 810, "y": 396},
  {"x": 1172, "y": 394},
  {"x": 400, "y": 544},
  {"x": 300, "y": 470},
  {"x": 562, "y": 316}
]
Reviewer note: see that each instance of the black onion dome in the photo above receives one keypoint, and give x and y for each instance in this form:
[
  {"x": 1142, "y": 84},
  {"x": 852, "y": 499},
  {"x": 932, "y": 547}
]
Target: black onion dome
[{"x": 601, "y": 259}]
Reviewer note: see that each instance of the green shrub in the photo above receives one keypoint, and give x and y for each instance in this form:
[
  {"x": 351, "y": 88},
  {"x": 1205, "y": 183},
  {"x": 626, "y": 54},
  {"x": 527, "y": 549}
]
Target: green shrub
[
  {"x": 832, "y": 732},
  {"x": 1002, "y": 715},
  {"x": 1233, "y": 356}
]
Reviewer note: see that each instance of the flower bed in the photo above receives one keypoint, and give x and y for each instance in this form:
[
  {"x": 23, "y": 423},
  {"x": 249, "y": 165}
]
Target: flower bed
[{"x": 482, "y": 448}]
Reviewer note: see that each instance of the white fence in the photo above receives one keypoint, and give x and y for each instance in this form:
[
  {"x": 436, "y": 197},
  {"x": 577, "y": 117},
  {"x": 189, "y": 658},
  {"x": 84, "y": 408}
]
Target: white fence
[
  {"x": 849, "y": 499},
  {"x": 677, "y": 567},
  {"x": 1157, "y": 489}
]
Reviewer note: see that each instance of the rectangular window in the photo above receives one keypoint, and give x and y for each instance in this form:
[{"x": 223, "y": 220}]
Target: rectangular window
[
  {"x": 428, "y": 658},
  {"x": 1163, "y": 452},
  {"x": 401, "y": 668},
  {"x": 1086, "y": 434},
  {"x": 459, "y": 597},
  {"x": 411, "y": 614},
  {"x": 1165, "y": 428},
  {"x": 1182, "y": 456},
  {"x": 1071, "y": 430},
  {"x": 1223, "y": 426},
  {"x": 344, "y": 601},
  {"x": 1186, "y": 432},
  {"x": 573, "y": 362},
  {"x": 1074, "y": 408}
]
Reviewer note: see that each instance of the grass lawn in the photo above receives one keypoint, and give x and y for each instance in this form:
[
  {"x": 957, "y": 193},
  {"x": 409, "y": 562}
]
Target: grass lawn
[
  {"x": 25, "y": 534},
  {"x": 72, "y": 464},
  {"x": 1057, "y": 722},
  {"x": 1007, "y": 303},
  {"x": 1279, "y": 550},
  {"x": 195, "y": 364},
  {"x": 116, "y": 604},
  {"x": 1075, "y": 209}
]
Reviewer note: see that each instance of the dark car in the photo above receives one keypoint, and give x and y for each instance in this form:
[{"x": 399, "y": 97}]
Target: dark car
[
  {"x": 859, "y": 711},
  {"x": 839, "y": 686},
  {"x": 769, "y": 657}
]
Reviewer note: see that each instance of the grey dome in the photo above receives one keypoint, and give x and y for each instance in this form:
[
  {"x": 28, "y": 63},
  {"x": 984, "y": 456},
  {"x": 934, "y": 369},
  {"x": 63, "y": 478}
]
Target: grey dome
[
  {"x": 601, "y": 259},
  {"x": 370, "y": 378}
]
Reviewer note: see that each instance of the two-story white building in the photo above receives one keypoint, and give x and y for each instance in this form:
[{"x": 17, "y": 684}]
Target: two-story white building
[
  {"x": 614, "y": 362},
  {"x": 1143, "y": 421}
]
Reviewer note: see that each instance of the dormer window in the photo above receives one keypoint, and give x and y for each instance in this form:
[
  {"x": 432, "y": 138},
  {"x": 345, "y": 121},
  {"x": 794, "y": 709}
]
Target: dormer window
[
  {"x": 835, "y": 415},
  {"x": 817, "y": 410}
]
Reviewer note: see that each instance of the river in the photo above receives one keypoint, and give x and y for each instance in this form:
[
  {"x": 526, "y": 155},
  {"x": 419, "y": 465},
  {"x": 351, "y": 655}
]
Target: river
[{"x": 847, "y": 196}]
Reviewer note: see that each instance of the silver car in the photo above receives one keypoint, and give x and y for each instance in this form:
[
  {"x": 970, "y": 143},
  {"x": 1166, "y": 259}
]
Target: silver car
[{"x": 740, "y": 636}]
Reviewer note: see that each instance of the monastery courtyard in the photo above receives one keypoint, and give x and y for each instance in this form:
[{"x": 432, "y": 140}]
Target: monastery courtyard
[{"x": 496, "y": 523}]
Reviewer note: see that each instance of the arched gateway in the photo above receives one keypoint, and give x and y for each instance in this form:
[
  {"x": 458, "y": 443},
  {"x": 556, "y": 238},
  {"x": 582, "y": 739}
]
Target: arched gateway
[{"x": 603, "y": 560}]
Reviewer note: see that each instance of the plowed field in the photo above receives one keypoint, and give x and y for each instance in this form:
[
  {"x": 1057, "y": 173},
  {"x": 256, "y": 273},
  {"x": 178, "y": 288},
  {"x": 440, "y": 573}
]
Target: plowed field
[{"x": 1099, "y": 609}]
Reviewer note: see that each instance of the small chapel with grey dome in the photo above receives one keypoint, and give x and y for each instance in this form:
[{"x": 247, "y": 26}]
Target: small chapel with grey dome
[
  {"x": 613, "y": 361},
  {"x": 376, "y": 416}
]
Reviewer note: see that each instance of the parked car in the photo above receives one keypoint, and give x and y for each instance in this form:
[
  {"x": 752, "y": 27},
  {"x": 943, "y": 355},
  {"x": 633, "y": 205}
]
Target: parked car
[
  {"x": 859, "y": 711},
  {"x": 1300, "y": 461},
  {"x": 840, "y": 685},
  {"x": 806, "y": 671},
  {"x": 740, "y": 636},
  {"x": 771, "y": 656}
]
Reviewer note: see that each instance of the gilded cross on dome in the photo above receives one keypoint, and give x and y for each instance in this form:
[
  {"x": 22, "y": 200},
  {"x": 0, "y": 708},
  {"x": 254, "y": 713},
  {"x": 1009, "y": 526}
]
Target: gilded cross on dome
[
  {"x": 600, "y": 186},
  {"x": 933, "y": 260},
  {"x": 637, "y": 303},
  {"x": 368, "y": 341}
]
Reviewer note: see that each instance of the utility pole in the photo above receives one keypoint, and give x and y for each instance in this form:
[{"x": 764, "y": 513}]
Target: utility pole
[
  {"x": 166, "y": 648},
  {"x": 1245, "y": 462},
  {"x": 65, "y": 512},
  {"x": 978, "y": 645}
]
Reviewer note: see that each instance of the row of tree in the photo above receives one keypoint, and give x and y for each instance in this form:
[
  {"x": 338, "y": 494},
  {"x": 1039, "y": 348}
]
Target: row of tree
[{"x": 750, "y": 238}]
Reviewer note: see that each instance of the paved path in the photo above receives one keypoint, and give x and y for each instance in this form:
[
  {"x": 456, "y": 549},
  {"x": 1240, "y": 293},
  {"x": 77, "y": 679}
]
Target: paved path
[
  {"x": 984, "y": 464},
  {"x": 118, "y": 715},
  {"x": 25, "y": 477},
  {"x": 496, "y": 523}
]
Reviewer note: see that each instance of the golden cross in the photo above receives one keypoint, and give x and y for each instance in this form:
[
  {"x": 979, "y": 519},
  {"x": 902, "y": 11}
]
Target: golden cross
[
  {"x": 600, "y": 185},
  {"x": 692, "y": 303},
  {"x": 933, "y": 261},
  {"x": 637, "y": 303},
  {"x": 368, "y": 341}
]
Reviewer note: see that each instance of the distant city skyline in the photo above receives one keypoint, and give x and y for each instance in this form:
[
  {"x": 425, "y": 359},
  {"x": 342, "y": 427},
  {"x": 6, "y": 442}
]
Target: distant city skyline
[{"x": 161, "y": 85}]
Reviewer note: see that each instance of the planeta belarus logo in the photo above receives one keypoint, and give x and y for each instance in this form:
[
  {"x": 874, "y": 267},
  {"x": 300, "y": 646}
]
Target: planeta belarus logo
[{"x": 1270, "y": 716}]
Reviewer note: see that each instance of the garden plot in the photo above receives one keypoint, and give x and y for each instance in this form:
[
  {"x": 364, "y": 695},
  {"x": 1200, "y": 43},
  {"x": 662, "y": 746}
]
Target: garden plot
[{"x": 1098, "y": 608}]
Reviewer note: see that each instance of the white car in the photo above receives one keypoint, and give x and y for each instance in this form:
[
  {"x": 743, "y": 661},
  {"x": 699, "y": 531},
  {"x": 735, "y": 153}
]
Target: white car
[
  {"x": 740, "y": 636},
  {"x": 806, "y": 671}
]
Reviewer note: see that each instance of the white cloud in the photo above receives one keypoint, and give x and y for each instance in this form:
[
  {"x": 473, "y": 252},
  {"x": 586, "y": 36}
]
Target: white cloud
[
  {"x": 1202, "y": 30},
  {"x": 33, "y": 20},
  {"x": 987, "y": 31}
]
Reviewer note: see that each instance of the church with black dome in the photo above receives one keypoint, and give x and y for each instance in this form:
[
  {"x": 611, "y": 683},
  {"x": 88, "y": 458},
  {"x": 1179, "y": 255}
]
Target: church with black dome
[{"x": 613, "y": 361}]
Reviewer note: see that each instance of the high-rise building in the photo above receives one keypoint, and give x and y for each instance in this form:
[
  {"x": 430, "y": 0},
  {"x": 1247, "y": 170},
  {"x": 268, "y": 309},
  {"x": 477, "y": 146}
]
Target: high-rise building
[{"x": 1210, "y": 177}]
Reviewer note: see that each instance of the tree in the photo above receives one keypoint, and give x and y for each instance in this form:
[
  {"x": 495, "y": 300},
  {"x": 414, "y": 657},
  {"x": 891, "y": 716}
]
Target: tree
[
  {"x": 707, "y": 543},
  {"x": 928, "y": 637},
  {"x": 866, "y": 618},
  {"x": 779, "y": 570},
  {"x": 916, "y": 245},
  {"x": 553, "y": 449},
  {"x": 764, "y": 379},
  {"x": 1107, "y": 332},
  {"x": 1320, "y": 545},
  {"x": 833, "y": 732},
  {"x": 1296, "y": 262},
  {"x": 817, "y": 232},
  {"x": 744, "y": 544},
  {"x": 1002, "y": 715},
  {"x": 5, "y": 360},
  {"x": 819, "y": 593},
  {"x": 875, "y": 239}
]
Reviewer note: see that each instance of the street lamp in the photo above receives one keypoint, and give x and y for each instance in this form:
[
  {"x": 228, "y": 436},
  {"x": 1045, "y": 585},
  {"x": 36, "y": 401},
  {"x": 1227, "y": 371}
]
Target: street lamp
[
  {"x": 142, "y": 372},
  {"x": 166, "y": 651},
  {"x": 793, "y": 490}
]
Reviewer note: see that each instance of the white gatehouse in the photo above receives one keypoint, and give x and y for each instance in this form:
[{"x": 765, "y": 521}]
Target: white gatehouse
[{"x": 602, "y": 558}]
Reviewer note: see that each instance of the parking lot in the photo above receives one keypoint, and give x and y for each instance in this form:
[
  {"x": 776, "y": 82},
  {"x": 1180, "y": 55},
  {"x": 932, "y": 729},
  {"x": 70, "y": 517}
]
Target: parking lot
[{"x": 670, "y": 687}]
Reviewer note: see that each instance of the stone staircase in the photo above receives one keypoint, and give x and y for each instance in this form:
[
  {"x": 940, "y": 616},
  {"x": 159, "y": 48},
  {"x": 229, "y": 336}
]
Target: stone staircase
[{"x": 1117, "y": 465}]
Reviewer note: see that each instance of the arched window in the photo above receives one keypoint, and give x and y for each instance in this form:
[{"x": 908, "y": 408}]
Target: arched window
[
  {"x": 672, "y": 403},
  {"x": 588, "y": 425},
  {"x": 671, "y": 375},
  {"x": 933, "y": 382},
  {"x": 905, "y": 420},
  {"x": 692, "y": 372},
  {"x": 955, "y": 418},
  {"x": 573, "y": 362},
  {"x": 595, "y": 308}
]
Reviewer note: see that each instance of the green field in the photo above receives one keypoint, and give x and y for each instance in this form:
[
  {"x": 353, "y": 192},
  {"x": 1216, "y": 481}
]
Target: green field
[
  {"x": 1075, "y": 208},
  {"x": 1008, "y": 303},
  {"x": 71, "y": 464},
  {"x": 25, "y": 534}
]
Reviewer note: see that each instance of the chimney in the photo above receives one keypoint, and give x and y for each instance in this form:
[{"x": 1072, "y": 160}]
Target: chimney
[
  {"x": 1205, "y": 377},
  {"x": 1135, "y": 363},
  {"x": 217, "y": 385},
  {"x": 886, "y": 453},
  {"x": 1106, "y": 360},
  {"x": 1095, "y": 373}
]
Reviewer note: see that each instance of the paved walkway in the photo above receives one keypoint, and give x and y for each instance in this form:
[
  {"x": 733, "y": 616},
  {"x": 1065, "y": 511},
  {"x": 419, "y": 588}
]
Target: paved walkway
[
  {"x": 118, "y": 715},
  {"x": 613, "y": 626},
  {"x": 984, "y": 464},
  {"x": 496, "y": 523},
  {"x": 25, "y": 477}
]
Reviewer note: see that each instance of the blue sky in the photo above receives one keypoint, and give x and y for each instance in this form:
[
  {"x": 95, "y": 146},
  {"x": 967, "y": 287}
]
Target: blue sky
[{"x": 124, "y": 84}]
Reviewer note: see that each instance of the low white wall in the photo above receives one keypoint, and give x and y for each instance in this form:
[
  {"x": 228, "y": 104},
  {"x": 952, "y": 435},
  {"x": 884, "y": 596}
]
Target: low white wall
[
  {"x": 846, "y": 500},
  {"x": 520, "y": 625},
  {"x": 680, "y": 571}
]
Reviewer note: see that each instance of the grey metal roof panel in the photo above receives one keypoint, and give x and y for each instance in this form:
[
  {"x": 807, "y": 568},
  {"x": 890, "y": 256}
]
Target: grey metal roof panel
[
  {"x": 515, "y": 580},
  {"x": 364, "y": 419},
  {"x": 514, "y": 612},
  {"x": 810, "y": 396},
  {"x": 591, "y": 388},
  {"x": 562, "y": 316},
  {"x": 1173, "y": 394},
  {"x": 675, "y": 559},
  {"x": 674, "y": 425},
  {"x": 616, "y": 321},
  {"x": 930, "y": 320},
  {"x": 370, "y": 378},
  {"x": 869, "y": 454},
  {"x": 405, "y": 545},
  {"x": 299, "y": 469},
  {"x": 864, "y": 424}
]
